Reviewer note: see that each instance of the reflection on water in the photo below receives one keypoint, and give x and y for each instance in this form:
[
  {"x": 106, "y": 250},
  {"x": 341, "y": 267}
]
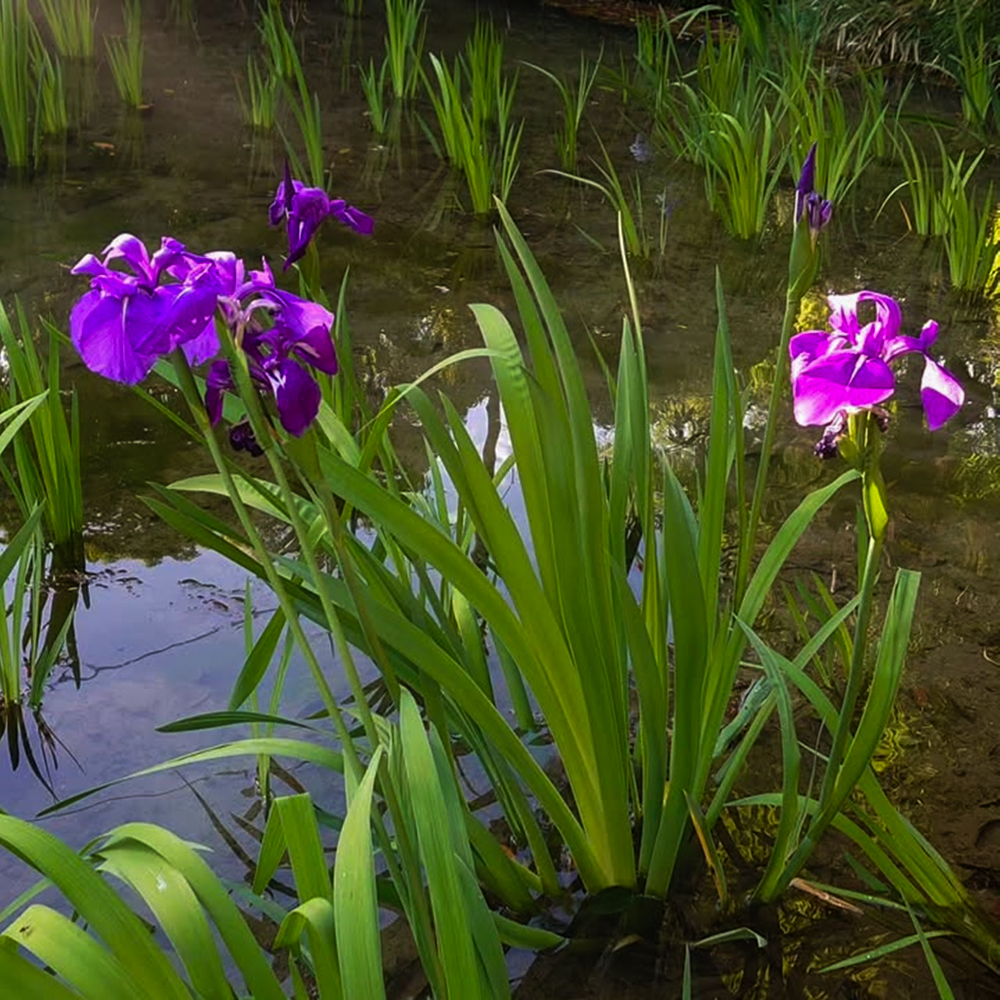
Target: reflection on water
[{"x": 157, "y": 643}]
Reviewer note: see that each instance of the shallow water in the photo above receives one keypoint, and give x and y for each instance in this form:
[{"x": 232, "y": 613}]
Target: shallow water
[{"x": 161, "y": 638}]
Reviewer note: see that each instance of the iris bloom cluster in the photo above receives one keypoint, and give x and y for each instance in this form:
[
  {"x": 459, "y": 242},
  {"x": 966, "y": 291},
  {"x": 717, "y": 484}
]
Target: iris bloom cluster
[
  {"x": 142, "y": 306},
  {"x": 847, "y": 371}
]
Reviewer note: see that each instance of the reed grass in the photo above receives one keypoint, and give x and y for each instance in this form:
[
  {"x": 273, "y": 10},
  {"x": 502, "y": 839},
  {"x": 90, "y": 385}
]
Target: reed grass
[
  {"x": 575, "y": 96},
  {"x": 975, "y": 71},
  {"x": 816, "y": 113},
  {"x": 473, "y": 104},
  {"x": 259, "y": 105},
  {"x": 740, "y": 159},
  {"x": 406, "y": 29},
  {"x": 373, "y": 87},
  {"x": 967, "y": 226},
  {"x": 125, "y": 55},
  {"x": 17, "y": 85},
  {"x": 47, "y": 452},
  {"x": 627, "y": 202},
  {"x": 71, "y": 24},
  {"x": 51, "y": 114},
  {"x": 278, "y": 40}
]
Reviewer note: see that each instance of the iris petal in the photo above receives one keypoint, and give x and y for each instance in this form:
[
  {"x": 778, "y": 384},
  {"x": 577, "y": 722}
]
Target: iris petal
[
  {"x": 296, "y": 396},
  {"x": 316, "y": 349},
  {"x": 942, "y": 394},
  {"x": 98, "y": 331},
  {"x": 844, "y": 380}
]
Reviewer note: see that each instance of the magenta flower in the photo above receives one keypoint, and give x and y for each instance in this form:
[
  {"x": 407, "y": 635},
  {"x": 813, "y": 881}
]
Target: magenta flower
[
  {"x": 847, "y": 370},
  {"x": 134, "y": 315},
  {"x": 305, "y": 209}
]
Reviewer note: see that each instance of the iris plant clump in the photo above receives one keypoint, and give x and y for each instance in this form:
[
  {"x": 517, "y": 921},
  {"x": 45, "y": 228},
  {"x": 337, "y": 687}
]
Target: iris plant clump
[{"x": 142, "y": 307}]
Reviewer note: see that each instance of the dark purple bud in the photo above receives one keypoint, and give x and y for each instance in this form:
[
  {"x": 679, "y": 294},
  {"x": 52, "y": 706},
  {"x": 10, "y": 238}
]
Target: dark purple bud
[
  {"x": 881, "y": 417},
  {"x": 827, "y": 446},
  {"x": 241, "y": 437},
  {"x": 817, "y": 212},
  {"x": 807, "y": 179}
]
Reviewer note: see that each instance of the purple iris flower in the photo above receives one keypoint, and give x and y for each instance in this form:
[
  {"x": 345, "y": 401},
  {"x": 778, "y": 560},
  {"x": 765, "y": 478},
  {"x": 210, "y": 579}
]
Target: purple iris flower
[
  {"x": 305, "y": 208},
  {"x": 279, "y": 358},
  {"x": 847, "y": 370},
  {"x": 132, "y": 316},
  {"x": 809, "y": 203}
]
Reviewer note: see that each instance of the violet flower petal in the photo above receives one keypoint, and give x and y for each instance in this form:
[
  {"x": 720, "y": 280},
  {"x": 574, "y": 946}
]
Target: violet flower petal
[
  {"x": 296, "y": 396},
  {"x": 217, "y": 381},
  {"x": 300, "y": 316},
  {"x": 942, "y": 394},
  {"x": 807, "y": 180},
  {"x": 98, "y": 331},
  {"x": 315, "y": 349},
  {"x": 843, "y": 380}
]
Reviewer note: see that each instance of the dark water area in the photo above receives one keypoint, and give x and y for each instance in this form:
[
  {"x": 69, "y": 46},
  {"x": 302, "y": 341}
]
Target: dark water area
[{"x": 162, "y": 637}]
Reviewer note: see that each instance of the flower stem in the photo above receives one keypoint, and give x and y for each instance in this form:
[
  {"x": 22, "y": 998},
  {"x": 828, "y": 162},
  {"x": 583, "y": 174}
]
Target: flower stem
[
  {"x": 195, "y": 405},
  {"x": 748, "y": 540},
  {"x": 830, "y": 800}
]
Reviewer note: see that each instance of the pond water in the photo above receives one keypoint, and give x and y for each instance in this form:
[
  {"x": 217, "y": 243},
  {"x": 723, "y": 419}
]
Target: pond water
[{"x": 161, "y": 637}]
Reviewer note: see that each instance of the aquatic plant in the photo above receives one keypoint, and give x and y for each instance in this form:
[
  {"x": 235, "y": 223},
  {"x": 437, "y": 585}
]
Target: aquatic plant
[
  {"x": 71, "y": 23},
  {"x": 125, "y": 55},
  {"x": 51, "y": 115},
  {"x": 278, "y": 40},
  {"x": 373, "y": 87},
  {"x": 16, "y": 81},
  {"x": 628, "y": 203},
  {"x": 657, "y": 62},
  {"x": 739, "y": 154},
  {"x": 944, "y": 204},
  {"x": 478, "y": 136},
  {"x": 574, "y": 102},
  {"x": 47, "y": 451},
  {"x": 875, "y": 104},
  {"x": 724, "y": 73},
  {"x": 260, "y": 103},
  {"x": 975, "y": 72},
  {"x": 406, "y": 27},
  {"x": 924, "y": 216},
  {"x": 482, "y": 64},
  {"x": 815, "y": 113},
  {"x": 25, "y": 650},
  {"x": 44, "y": 554},
  {"x": 309, "y": 118},
  {"x": 331, "y": 932},
  {"x": 966, "y": 226}
]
